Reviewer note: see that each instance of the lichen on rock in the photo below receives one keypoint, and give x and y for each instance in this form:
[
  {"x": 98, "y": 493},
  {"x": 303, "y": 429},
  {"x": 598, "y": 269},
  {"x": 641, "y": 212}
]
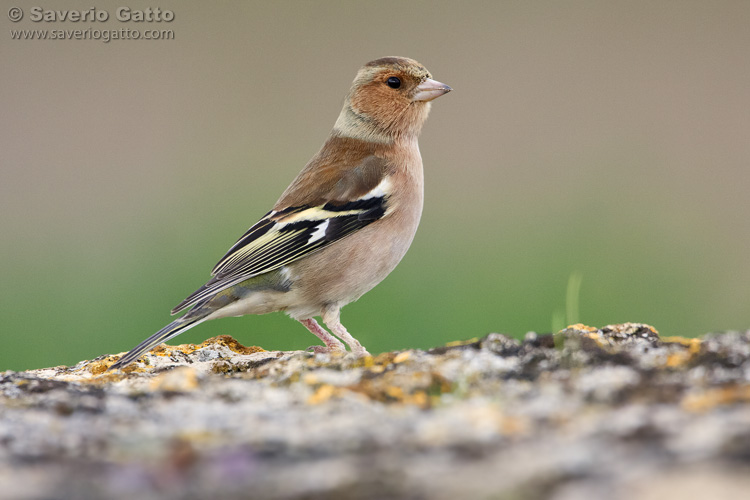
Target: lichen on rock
[{"x": 570, "y": 415}]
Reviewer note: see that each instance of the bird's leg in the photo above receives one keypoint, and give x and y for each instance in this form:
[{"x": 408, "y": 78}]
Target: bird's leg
[
  {"x": 332, "y": 343},
  {"x": 331, "y": 317}
]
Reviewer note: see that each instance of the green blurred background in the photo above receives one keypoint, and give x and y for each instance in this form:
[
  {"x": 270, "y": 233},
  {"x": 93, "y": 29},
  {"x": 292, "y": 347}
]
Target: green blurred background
[{"x": 610, "y": 139}]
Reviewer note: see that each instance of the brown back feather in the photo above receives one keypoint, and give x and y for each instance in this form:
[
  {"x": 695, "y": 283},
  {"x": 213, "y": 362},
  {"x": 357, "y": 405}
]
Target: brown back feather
[{"x": 344, "y": 169}]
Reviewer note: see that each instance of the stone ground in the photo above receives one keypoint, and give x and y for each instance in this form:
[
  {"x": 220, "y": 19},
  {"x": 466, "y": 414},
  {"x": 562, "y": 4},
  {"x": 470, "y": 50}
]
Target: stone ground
[{"x": 616, "y": 413}]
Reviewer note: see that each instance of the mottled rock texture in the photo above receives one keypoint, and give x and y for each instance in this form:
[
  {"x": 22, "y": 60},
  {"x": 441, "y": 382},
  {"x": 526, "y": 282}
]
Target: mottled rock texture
[{"x": 616, "y": 413}]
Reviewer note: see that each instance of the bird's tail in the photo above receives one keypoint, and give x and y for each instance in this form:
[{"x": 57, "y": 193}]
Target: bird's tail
[{"x": 173, "y": 329}]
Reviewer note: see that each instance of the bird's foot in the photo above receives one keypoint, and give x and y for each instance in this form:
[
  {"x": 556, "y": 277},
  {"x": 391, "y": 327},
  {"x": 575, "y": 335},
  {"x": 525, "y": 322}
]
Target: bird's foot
[
  {"x": 321, "y": 349},
  {"x": 361, "y": 352}
]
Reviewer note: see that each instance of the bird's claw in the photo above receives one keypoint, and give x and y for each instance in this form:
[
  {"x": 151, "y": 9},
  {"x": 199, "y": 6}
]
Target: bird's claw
[{"x": 321, "y": 349}]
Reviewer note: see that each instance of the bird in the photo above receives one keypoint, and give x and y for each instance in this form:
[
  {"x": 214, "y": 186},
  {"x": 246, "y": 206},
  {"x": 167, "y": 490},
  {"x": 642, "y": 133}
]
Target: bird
[{"x": 341, "y": 226}]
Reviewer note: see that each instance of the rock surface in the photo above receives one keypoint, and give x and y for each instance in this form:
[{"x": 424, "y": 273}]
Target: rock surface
[{"x": 615, "y": 412}]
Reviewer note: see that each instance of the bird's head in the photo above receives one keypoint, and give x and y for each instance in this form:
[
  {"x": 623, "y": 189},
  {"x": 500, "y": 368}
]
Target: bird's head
[{"x": 389, "y": 99}]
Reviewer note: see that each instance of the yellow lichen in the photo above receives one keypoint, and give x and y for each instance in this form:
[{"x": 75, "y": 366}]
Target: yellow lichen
[
  {"x": 630, "y": 328},
  {"x": 182, "y": 379},
  {"x": 580, "y": 327},
  {"x": 232, "y": 344},
  {"x": 458, "y": 343},
  {"x": 368, "y": 362},
  {"x": 693, "y": 345},
  {"x": 401, "y": 357},
  {"x": 718, "y": 396},
  {"x": 222, "y": 367},
  {"x": 322, "y": 394},
  {"x": 600, "y": 340},
  {"x": 681, "y": 357},
  {"x": 394, "y": 392},
  {"x": 98, "y": 367},
  {"x": 419, "y": 398},
  {"x": 384, "y": 358},
  {"x": 677, "y": 359}
]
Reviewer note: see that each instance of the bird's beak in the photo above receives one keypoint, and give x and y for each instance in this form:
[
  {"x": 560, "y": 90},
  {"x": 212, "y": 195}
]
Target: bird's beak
[{"x": 430, "y": 89}]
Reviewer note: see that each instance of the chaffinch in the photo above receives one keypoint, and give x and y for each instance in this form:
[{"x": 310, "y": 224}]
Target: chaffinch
[{"x": 340, "y": 227}]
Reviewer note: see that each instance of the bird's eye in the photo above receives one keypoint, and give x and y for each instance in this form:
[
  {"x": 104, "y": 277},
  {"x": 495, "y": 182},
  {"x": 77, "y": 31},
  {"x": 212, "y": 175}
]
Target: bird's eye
[{"x": 393, "y": 82}]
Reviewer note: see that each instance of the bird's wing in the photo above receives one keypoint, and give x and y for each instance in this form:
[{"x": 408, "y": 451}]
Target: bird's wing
[{"x": 287, "y": 234}]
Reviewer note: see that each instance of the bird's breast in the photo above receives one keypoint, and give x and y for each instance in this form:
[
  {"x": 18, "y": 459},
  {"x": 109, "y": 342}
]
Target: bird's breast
[{"x": 350, "y": 267}]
